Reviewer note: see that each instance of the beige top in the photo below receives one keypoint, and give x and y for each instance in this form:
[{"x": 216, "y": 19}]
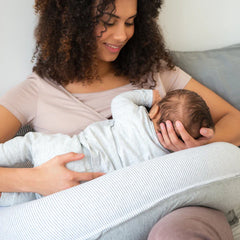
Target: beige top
[{"x": 50, "y": 108}]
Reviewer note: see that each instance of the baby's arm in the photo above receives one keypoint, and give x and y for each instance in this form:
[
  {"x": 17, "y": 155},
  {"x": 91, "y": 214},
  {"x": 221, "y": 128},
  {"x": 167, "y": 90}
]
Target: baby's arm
[
  {"x": 128, "y": 103},
  {"x": 16, "y": 153}
]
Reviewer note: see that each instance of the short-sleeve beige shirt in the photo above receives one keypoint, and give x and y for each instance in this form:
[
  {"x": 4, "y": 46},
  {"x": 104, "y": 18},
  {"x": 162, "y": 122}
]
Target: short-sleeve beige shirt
[{"x": 50, "y": 108}]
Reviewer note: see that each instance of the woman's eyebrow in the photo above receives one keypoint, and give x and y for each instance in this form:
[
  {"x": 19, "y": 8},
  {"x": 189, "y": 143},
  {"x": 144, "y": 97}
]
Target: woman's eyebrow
[
  {"x": 115, "y": 16},
  {"x": 132, "y": 16}
]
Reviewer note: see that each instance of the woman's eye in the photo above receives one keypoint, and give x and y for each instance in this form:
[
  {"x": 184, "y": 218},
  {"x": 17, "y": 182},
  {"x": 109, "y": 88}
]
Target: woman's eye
[
  {"x": 109, "y": 24},
  {"x": 129, "y": 24}
]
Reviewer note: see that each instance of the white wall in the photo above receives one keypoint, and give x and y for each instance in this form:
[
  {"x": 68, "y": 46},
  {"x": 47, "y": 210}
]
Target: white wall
[
  {"x": 186, "y": 24},
  {"x": 17, "y": 21},
  {"x": 200, "y": 24}
]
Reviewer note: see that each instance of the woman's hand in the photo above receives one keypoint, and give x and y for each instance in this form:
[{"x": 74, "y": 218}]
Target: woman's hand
[
  {"x": 53, "y": 176},
  {"x": 169, "y": 139}
]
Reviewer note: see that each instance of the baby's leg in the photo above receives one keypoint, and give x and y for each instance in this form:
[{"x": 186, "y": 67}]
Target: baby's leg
[{"x": 11, "y": 198}]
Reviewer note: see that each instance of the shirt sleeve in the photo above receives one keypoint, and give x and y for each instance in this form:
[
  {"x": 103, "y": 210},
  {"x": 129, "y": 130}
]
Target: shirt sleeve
[
  {"x": 169, "y": 80},
  {"x": 128, "y": 103},
  {"x": 22, "y": 100}
]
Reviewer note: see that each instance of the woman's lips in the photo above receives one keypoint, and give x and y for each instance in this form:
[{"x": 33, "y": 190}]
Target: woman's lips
[{"x": 113, "y": 48}]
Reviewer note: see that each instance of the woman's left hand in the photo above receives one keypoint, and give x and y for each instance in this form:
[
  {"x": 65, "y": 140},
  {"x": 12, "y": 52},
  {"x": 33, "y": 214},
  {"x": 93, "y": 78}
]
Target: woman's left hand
[{"x": 169, "y": 139}]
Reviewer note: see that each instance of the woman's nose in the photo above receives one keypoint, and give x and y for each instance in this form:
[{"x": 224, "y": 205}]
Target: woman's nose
[{"x": 120, "y": 33}]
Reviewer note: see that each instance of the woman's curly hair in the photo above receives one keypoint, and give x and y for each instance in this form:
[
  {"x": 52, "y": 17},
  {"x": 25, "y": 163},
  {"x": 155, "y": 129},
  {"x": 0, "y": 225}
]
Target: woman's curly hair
[{"x": 66, "y": 42}]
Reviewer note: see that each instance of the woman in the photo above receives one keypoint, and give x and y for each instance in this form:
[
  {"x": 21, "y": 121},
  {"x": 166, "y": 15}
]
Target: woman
[{"x": 87, "y": 52}]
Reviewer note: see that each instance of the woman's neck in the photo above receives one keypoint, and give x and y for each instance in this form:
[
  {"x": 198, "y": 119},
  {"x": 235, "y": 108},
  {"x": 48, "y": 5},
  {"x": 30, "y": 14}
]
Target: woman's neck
[
  {"x": 107, "y": 80},
  {"x": 96, "y": 86}
]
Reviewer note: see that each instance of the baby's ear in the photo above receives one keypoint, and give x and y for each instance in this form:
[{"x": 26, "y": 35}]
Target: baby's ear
[{"x": 153, "y": 112}]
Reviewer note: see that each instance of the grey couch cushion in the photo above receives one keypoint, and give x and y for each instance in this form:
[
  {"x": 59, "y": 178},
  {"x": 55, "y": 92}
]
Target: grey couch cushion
[
  {"x": 23, "y": 130},
  {"x": 218, "y": 69}
]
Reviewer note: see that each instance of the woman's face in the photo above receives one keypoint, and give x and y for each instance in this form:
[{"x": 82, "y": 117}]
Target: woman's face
[{"x": 120, "y": 28}]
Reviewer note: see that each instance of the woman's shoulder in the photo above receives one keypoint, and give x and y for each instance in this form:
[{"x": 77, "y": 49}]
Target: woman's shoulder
[
  {"x": 23, "y": 99},
  {"x": 32, "y": 84},
  {"x": 25, "y": 88},
  {"x": 34, "y": 80},
  {"x": 171, "y": 79},
  {"x": 42, "y": 87}
]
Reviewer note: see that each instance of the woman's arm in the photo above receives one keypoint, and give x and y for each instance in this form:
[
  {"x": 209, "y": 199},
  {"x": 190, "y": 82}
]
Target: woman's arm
[
  {"x": 46, "y": 179},
  {"x": 9, "y": 124},
  {"x": 225, "y": 117}
]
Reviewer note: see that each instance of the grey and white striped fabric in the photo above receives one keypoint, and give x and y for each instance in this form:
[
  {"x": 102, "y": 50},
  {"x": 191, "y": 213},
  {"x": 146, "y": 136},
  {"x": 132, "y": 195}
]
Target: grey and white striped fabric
[{"x": 126, "y": 203}]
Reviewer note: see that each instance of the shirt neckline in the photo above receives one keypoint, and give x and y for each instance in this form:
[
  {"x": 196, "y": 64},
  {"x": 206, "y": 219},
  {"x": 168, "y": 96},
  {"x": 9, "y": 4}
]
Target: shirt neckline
[{"x": 104, "y": 91}]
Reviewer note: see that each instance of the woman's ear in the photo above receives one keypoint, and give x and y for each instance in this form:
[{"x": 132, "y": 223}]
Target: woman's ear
[{"x": 153, "y": 112}]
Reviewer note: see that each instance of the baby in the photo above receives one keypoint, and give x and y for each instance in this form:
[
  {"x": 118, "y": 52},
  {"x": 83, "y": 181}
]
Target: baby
[{"x": 128, "y": 138}]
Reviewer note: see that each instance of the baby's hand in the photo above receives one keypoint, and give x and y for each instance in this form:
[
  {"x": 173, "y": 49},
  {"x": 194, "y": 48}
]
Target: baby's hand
[{"x": 156, "y": 97}]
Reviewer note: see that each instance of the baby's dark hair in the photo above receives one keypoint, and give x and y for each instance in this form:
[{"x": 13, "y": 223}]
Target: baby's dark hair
[{"x": 187, "y": 107}]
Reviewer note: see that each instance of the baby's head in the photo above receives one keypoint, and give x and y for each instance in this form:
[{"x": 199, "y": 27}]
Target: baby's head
[{"x": 187, "y": 107}]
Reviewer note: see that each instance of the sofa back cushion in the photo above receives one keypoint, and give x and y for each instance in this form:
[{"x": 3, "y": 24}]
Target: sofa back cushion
[{"x": 218, "y": 69}]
